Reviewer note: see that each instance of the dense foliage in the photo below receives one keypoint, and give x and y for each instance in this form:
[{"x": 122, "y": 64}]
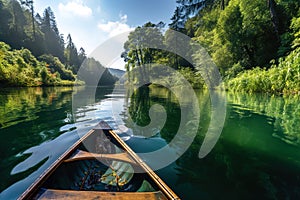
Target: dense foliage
[
  {"x": 21, "y": 68},
  {"x": 284, "y": 73},
  {"x": 254, "y": 43},
  {"x": 142, "y": 61},
  {"x": 33, "y": 51},
  {"x": 21, "y": 27},
  {"x": 281, "y": 78}
]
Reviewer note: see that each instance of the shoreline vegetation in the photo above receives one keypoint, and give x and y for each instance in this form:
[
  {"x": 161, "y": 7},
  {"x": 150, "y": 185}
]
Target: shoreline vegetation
[
  {"x": 21, "y": 68},
  {"x": 281, "y": 78},
  {"x": 255, "y": 45},
  {"x": 34, "y": 53}
]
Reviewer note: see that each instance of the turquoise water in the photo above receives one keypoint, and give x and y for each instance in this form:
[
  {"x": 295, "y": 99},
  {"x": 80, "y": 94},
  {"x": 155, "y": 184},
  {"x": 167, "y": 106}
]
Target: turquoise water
[{"x": 257, "y": 155}]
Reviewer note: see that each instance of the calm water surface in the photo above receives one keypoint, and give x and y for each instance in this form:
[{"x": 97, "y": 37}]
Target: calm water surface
[{"x": 256, "y": 157}]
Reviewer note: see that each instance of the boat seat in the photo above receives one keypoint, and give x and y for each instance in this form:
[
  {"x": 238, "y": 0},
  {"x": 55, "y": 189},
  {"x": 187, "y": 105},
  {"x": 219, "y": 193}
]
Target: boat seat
[
  {"x": 84, "y": 155},
  {"x": 79, "y": 195}
]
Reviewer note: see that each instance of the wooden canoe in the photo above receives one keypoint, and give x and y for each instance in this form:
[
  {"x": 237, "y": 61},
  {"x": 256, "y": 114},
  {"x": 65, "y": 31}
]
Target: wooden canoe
[{"x": 104, "y": 170}]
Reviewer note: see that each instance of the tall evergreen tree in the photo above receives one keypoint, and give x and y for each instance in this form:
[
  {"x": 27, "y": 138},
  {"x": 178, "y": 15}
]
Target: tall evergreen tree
[
  {"x": 188, "y": 8},
  {"x": 81, "y": 56},
  {"x": 5, "y": 20},
  {"x": 16, "y": 25},
  {"x": 53, "y": 40},
  {"x": 29, "y": 4},
  {"x": 71, "y": 55},
  {"x": 178, "y": 20}
]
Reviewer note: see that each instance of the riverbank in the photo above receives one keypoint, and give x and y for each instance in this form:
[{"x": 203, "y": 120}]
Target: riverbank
[{"x": 280, "y": 78}]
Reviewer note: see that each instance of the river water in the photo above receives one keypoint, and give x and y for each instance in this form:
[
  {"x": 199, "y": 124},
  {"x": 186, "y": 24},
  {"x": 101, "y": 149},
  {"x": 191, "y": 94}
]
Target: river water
[{"x": 256, "y": 157}]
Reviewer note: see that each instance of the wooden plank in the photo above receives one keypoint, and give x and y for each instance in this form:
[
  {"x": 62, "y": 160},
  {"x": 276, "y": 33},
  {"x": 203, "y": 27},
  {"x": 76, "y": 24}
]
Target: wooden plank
[
  {"x": 84, "y": 155},
  {"x": 79, "y": 195}
]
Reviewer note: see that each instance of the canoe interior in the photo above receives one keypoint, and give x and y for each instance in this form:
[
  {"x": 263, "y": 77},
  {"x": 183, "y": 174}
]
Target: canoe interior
[
  {"x": 91, "y": 174},
  {"x": 100, "y": 166}
]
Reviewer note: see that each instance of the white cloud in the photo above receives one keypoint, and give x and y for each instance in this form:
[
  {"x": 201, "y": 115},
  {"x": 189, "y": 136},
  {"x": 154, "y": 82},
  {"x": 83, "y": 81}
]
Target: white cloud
[
  {"x": 75, "y": 7},
  {"x": 116, "y": 27},
  {"x": 123, "y": 18}
]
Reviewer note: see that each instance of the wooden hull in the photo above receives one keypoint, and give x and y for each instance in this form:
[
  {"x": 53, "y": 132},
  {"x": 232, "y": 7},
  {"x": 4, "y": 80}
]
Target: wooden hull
[{"x": 105, "y": 170}]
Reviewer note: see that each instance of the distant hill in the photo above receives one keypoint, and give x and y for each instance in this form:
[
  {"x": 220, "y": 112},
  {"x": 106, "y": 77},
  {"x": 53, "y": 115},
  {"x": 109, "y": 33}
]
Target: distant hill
[{"x": 116, "y": 72}]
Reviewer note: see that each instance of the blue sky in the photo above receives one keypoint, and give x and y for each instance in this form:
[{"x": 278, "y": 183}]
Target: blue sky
[{"x": 91, "y": 22}]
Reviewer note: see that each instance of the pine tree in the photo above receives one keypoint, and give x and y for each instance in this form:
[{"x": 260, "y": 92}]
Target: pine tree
[
  {"x": 71, "y": 55},
  {"x": 53, "y": 40},
  {"x": 29, "y": 4}
]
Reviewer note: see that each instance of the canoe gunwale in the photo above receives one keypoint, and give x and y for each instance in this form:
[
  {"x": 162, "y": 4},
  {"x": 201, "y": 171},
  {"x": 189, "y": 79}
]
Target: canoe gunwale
[
  {"x": 42, "y": 178},
  {"x": 69, "y": 153},
  {"x": 160, "y": 183}
]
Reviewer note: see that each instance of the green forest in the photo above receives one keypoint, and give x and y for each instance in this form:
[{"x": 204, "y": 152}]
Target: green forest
[
  {"x": 254, "y": 43},
  {"x": 34, "y": 53}
]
